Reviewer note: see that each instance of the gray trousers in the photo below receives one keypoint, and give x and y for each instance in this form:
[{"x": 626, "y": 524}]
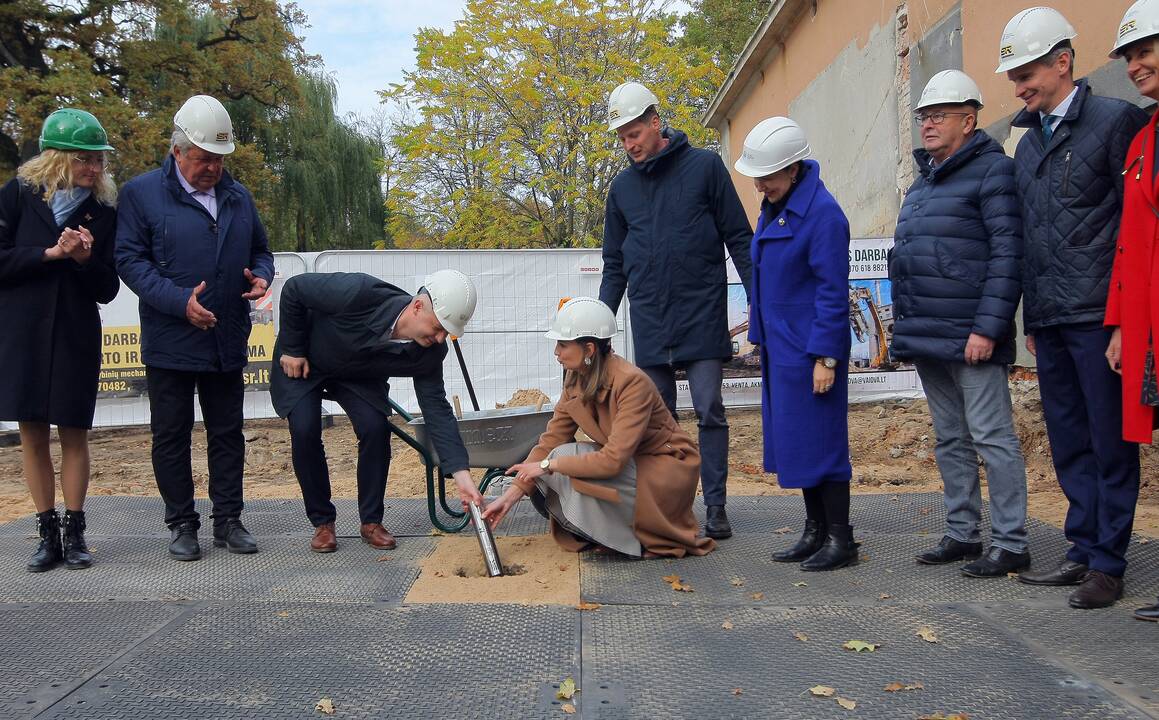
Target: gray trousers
[
  {"x": 704, "y": 384},
  {"x": 970, "y": 406}
]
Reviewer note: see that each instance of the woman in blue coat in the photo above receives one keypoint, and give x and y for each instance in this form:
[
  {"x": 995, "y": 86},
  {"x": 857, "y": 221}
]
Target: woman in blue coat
[
  {"x": 57, "y": 222},
  {"x": 800, "y": 318}
]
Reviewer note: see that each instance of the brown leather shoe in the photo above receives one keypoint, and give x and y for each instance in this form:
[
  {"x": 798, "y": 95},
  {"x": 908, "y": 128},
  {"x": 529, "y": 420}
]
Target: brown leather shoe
[
  {"x": 376, "y": 536},
  {"x": 1099, "y": 590},
  {"x": 324, "y": 540}
]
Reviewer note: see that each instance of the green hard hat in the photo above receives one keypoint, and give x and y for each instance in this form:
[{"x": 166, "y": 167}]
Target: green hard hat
[{"x": 72, "y": 129}]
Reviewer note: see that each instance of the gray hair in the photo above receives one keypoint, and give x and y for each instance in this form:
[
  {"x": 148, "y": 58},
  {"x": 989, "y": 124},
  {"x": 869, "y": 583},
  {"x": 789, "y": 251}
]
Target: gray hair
[
  {"x": 1056, "y": 52},
  {"x": 180, "y": 140}
]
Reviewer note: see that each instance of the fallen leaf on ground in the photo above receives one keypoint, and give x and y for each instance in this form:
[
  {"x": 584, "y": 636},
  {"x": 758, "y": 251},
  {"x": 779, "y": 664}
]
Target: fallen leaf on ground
[
  {"x": 737, "y": 691},
  {"x": 566, "y": 690},
  {"x": 782, "y": 531},
  {"x": 736, "y": 582},
  {"x": 283, "y": 614},
  {"x": 800, "y": 584},
  {"x": 884, "y": 596},
  {"x": 801, "y": 636},
  {"x": 563, "y": 568},
  {"x": 1012, "y": 575},
  {"x": 846, "y": 703},
  {"x": 588, "y": 606},
  {"x": 898, "y": 687},
  {"x": 674, "y": 581},
  {"x": 383, "y": 558},
  {"x": 325, "y": 706},
  {"x": 860, "y": 645},
  {"x": 757, "y": 596},
  {"x": 727, "y": 624},
  {"x": 822, "y": 691},
  {"x": 927, "y": 634},
  {"x": 568, "y": 708},
  {"x": 436, "y": 531},
  {"x": 864, "y": 557},
  {"x": 1144, "y": 541}
]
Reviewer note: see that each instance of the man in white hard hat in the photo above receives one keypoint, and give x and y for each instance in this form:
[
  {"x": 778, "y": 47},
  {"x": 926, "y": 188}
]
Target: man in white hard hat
[
  {"x": 1070, "y": 190},
  {"x": 668, "y": 219},
  {"x": 954, "y": 268},
  {"x": 346, "y": 335},
  {"x": 191, "y": 246}
]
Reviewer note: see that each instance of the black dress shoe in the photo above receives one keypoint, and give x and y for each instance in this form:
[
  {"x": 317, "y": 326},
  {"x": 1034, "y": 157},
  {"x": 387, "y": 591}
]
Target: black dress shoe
[
  {"x": 997, "y": 562},
  {"x": 1151, "y": 613},
  {"x": 950, "y": 550},
  {"x": 810, "y": 542},
  {"x": 1068, "y": 573},
  {"x": 233, "y": 535},
  {"x": 716, "y": 526},
  {"x": 838, "y": 551},
  {"x": 1099, "y": 590},
  {"x": 183, "y": 543}
]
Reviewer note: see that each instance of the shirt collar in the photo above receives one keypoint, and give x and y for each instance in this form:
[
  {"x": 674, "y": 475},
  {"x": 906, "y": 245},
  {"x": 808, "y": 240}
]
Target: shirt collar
[
  {"x": 390, "y": 330},
  {"x": 1060, "y": 111},
  {"x": 212, "y": 192}
]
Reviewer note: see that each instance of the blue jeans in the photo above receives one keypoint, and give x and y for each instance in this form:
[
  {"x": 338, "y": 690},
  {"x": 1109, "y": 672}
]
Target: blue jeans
[
  {"x": 970, "y": 406},
  {"x": 1097, "y": 470},
  {"x": 704, "y": 381}
]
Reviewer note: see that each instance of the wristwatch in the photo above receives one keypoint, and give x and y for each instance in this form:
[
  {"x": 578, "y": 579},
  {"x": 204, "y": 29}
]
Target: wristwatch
[
  {"x": 544, "y": 463},
  {"x": 828, "y": 362}
]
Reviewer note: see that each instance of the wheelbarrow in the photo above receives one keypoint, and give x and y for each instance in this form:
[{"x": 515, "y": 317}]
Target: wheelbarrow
[{"x": 495, "y": 440}]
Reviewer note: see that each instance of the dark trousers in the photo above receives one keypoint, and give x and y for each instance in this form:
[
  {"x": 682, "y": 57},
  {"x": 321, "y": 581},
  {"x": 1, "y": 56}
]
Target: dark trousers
[
  {"x": 171, "y": 421},
  {"x": 1098, "y": 471},
  {"x": 704, "y": 380},
  {"x": 309, "y": 455}
]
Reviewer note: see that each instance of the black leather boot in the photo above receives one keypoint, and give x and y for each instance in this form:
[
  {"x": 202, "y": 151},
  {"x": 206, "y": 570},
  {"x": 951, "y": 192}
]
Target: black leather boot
[
  {"x": 76, "y": 551},
  {"x": 49, "y": 553},
  {"x": 838, "y": 551},
  {"x": 716, "y": 525},
  {"x": 810, "y": 542}
]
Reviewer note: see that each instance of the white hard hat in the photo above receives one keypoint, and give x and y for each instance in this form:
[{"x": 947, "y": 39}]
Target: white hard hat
[
  {"x": 774, "y": 144},
  {"x": 1031, "y": 34},
  {"x": 950, "y": 87},
  {"x": 583, "y": 317},
  {"x": 1140, "y": 21},
  {"x": 628, "y": 102},
  {"x": 453, "y": 298},
  {"x": 206, "y": 123}
]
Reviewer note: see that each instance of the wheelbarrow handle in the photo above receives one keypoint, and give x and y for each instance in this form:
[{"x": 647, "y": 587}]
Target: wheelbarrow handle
[{"x": 466, "y": 375}]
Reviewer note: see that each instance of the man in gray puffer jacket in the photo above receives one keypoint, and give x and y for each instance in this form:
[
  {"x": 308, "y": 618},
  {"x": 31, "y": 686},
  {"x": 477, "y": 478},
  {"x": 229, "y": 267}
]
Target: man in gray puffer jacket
[
  {"x": 954, "y": 268},
  {"x": 1070, "y": 188}
]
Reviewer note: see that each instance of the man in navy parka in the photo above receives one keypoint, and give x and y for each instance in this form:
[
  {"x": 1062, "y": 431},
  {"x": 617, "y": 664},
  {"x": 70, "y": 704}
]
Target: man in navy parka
[{"x": 668, "y": 218}]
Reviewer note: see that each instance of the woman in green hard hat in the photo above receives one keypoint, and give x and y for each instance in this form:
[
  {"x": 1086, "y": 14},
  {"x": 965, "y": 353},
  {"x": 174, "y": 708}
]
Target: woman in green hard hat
[{"x": 57, "y": 224}]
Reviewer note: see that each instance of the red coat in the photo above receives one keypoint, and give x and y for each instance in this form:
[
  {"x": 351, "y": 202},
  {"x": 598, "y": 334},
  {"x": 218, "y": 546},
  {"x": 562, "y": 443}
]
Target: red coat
[{"x": 1133, "y": 299}]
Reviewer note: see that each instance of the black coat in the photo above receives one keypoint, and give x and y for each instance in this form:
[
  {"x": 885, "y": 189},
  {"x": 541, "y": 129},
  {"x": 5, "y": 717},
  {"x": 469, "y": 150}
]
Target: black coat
[
  {"x": 955, "y": 258},
  {"x": 50, "y": 349},
  {"x": 666, "y": 224},
  {"x": 340, "y": 322},
  {"x": 1071, "y": 193}
]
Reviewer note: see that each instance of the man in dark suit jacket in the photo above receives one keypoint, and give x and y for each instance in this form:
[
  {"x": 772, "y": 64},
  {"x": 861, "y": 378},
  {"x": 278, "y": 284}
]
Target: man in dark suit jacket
[{"x": 346, "y": 334}]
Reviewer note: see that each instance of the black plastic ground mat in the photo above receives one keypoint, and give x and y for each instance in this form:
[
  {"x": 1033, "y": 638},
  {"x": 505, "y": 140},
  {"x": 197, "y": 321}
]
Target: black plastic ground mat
[
  {"x": 371, "y": 661},
  {"x": 1110, "y": 644},
  {"x": 49, "y": 650},
  {"x": 741, "y": 572},
  {"x": 666, "y": 662},
  {"x": 283, "y": 570}
]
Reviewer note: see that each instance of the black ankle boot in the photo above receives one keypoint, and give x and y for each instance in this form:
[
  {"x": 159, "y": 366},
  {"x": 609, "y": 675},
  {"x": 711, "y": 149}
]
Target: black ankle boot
[
  {"x": 49, "y": 554},
  {"x": 76, "y": 551},
  {"x": 811, "y": 541},
  {"x": 838, "y": 551}
]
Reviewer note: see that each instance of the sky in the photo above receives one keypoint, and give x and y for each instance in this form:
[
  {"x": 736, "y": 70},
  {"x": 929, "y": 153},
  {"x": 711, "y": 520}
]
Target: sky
[{"x": 366, "y": 44}]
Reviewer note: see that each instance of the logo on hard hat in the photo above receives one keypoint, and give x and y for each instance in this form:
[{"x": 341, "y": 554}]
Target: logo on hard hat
[
  {"x": 1126, "y": 27},
  {"x": 613, "y": 114},
  {"x": 223, "y": 137},
  {"x": 1006, "y": 51}
]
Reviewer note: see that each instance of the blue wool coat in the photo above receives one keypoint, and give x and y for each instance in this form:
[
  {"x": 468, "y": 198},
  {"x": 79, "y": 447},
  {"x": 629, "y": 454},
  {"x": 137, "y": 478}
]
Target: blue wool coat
[
  {"x": 167, "y": 243},
  {"x": 799, "y": 312}
]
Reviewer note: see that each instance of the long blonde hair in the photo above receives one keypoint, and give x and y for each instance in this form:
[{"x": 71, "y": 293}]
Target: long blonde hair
[
  {"x": 51, "y": 170},
  {"x": 594, "y": 376}
]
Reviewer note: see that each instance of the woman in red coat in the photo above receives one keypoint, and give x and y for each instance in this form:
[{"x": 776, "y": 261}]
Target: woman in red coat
[
  {"x": 57, "y": 224},
  {"x": 1133, "y": 298}
]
